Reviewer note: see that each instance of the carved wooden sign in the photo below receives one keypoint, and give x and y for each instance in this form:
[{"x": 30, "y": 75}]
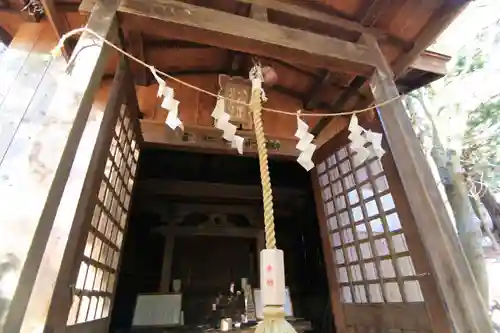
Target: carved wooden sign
[{"x": 238, "y": 89}]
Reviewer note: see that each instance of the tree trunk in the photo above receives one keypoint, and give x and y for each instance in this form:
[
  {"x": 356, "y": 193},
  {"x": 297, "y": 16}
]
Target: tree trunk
[
  {"x": 469, "y": 232},
  {"x": 491, "y": 205}
]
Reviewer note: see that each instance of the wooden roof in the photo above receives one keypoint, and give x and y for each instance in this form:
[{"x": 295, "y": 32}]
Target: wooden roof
[{"x": 404, "y": 29}]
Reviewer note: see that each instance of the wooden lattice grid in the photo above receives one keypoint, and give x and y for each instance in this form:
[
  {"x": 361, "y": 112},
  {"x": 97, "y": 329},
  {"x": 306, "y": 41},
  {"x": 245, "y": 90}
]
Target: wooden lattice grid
[
  {"x": 372, "y": 260},
  {"x": 96, "y": 279}
]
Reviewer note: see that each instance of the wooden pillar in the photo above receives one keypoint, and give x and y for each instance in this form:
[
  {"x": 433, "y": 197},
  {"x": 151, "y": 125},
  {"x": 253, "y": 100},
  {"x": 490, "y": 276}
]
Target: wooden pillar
[
  {"x": 37, "y": 164},
  {"x": 166, "y": 270},
  {"x": 455, "y": 280}
]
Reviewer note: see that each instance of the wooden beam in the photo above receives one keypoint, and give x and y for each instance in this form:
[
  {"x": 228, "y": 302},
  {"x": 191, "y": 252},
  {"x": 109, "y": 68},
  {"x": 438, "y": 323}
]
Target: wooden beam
[
  {"x": 64, "y": 118},
  {"x": 258, "y": 13},
  {"x": 182, "y": 231},
  {"x": 454, "y": 277},
  {"x": 317, "y": 16},
  {"x": 431, "y": 62},
  {"x": 312, "y": 97},
  {"x": 170, "y": 18},
  {"x": 204, "y": 139},
  {"x": 166, "y": 268},
  {"x": 438, "y": 22},
  {"x": 339, "y": 103},
  {"x": 58, "y": 23},
  {"x": 183, "y": 189},
  {"x": 135, "y": 45}
]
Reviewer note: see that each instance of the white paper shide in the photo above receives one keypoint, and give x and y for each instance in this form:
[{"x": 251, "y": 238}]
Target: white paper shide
[
  {"x": 169, "y": 102},
  {"x": 359, "y": 138},
  {"x": 305, "y": 145}
]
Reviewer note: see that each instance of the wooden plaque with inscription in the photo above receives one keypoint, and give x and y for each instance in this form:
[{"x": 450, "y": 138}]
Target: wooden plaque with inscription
[{"x": 237, "y": 88}]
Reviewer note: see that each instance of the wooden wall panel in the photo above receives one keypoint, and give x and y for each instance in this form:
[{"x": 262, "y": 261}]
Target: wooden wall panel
[{"x": 11, "y": 22}]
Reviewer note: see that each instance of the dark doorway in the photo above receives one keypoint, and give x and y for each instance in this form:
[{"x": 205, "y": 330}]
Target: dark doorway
[{"x": 297, "y": 232}]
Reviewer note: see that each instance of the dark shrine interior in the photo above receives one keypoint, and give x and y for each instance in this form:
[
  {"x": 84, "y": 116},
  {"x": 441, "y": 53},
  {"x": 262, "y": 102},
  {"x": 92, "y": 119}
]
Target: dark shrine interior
[{"x": 207, "y": 265}]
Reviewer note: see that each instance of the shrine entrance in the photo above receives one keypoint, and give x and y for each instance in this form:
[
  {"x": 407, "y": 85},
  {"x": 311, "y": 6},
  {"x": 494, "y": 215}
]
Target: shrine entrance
[{"x": 197, "y": 218}]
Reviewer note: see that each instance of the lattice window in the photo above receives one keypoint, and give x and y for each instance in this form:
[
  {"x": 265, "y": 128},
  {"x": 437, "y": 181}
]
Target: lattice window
[
  {"x": 98, "y": 270},
  {"x": 369, "y": 248}
]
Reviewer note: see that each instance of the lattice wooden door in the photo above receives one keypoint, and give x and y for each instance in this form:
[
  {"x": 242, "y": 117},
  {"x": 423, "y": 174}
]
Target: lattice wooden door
[
  {"x": 105, "y": 203},
  {"x": 380, "y": 279}
]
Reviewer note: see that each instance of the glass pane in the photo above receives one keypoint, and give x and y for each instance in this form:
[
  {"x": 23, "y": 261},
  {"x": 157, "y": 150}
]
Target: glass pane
[
  {"x": 92, "y": 308},
  {"x": 105, "y": 311},
  {"x": 357, "y": 214},
  {"x": 84, "y": 307},
  {"x": 392, "y": 292},
  {"x": 375, "y": 166},
  {"x": 360, "y": 294},
  {"x": 80, "y": 281},
  {"x": 371, "y": 271},
  {"x": 352, "y": 255},
  {"x": 329, "y": 208},
  {"x": 336, "y": 239},
  {"x": 353, "y": 197},
  {"x": 345, "y": 167},
  {"x": 89, "y": 279},
  {"x": 344, "y": 219},
  {"x": 387, "y": 269},
  {"x": 381, "y": 246},
  {"x": 343, "y": 275},
  {"x": 405, "y": 266},
  {"x": 381, "y": 184},
  {"x": 327, "y": 193},
  {"x": 366, "y": 250},
  {"x": 377, "y": 227},
  {"x": 337, "y": 187},
  {"x": 399, "y": 243},
  {"x": 323, "y": 180},
  {"x": 346, "y": 293},
  {"x": 361, "y": 231},
  {"x": 330, "y": 161},
  {"x": 393, "y": 222},
  {"x": 320, "y": 167},
  {"x": 339, "y": 256},
  {"x": 341, "y": 154},
  {"x": 375, "y": 293},
  {"x": 73, "y": 310},
  {"x": 413, "y": 292},
  {"x": 387, "y": 202},
  {"x": 100, "y": 304},
  {"x": 332, "y": 223},
  {"x": 334, "y": 173},
  {"x": 371, "y": 208},
  {"x": 347, "y": 235},
  {"x": 349, "y": 181},
  {"x": 88, "y": 245},
  {"x": 340, "y": 202},
  {"x": 362, "y": 174},
  {"x": 356, "y": 273},
  {"x": 97, "y": 249}
]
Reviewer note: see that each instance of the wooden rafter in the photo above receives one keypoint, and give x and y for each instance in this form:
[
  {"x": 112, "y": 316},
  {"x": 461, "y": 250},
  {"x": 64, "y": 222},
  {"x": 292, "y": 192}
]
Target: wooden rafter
[
  {"x": 170, "y": 18},
  {"x": 439, "y": 21},
  {"x": 339, "y": 103},
  {"x": 324, "y": 18}
]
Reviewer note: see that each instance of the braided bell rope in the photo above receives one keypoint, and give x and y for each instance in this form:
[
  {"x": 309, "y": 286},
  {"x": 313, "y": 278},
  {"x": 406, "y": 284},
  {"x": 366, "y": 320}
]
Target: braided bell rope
[{"x": 267, "y": 192}]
